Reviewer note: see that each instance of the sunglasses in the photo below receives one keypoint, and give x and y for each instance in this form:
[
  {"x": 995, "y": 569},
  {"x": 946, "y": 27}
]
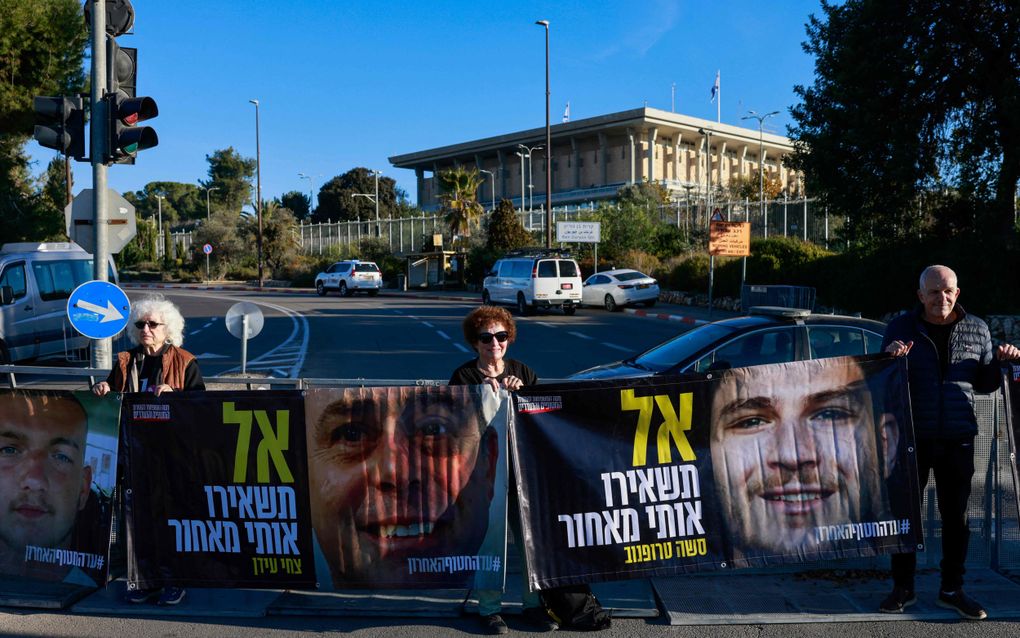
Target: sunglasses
[
  {"x": 487, "y": 337},
  {"x": 152, "y": 324}
]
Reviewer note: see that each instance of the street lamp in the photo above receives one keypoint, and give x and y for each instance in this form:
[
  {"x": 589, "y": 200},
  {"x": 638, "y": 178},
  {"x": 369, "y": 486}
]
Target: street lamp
[
  {"x": 548, "y": 144},
  {"x": 751, "y": 115},
  {"x": 309, "y": 178},
  {"x": 493, "y": 193},
  {"x": 258, "y": 182},
  {"x": 159, "y": 233},
  {"x": 531, "y": 187},
  {"x": 374, "y": 198},
  {"x": 207, "y": 190}
]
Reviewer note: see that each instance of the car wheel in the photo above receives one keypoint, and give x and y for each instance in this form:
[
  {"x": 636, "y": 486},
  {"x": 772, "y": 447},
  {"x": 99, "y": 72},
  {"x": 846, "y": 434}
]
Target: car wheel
[
  {"x": 486, "y": 299},
  {"x": 522, "y": 305},
  {"x": 610, "y": 303},
  {"x": 343, "y": 289},
  {"x": 320, "y": 289},
  {"x": 649, "y": 303},
  {"x": 372, "y": 293},
  {"x": 569, "y": 309}
]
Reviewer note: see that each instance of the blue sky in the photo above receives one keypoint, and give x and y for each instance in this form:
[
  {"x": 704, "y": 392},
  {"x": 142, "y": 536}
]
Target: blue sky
[{"x": 344, "y": 84}]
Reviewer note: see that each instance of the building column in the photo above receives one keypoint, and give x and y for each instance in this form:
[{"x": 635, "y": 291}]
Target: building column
[
  {"x": 419, "y": 174},
  {"x": 652, "y": 133},
  {"x": 722, "y": 157},
  {"x": 576, "y": 163},
  {"x": 603, "y": 156},
  {"x": 676, "y": 157},
  {"x": 633, "y": 159},
  {"x": 743, "y": 162}
]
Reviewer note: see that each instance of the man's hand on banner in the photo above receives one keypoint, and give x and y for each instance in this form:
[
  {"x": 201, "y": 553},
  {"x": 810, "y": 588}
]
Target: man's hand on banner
[{"x": 1007, "y": 352}]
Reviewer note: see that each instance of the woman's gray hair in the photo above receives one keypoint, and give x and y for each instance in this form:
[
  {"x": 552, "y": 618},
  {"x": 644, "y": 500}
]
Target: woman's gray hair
[{"x": 168, "y": 313}]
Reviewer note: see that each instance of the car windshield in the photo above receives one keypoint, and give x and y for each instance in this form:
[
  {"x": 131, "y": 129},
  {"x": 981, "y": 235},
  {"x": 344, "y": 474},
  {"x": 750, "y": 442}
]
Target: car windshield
[
  {"x": 666, "y": 355},
  {"x": 627, "y": 276},
  {"x": 366, "y": 268}
]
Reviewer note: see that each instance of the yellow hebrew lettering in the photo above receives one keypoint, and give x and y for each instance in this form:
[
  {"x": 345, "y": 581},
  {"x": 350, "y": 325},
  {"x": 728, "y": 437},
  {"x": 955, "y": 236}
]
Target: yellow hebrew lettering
[
  {"x": 273, "y": 445},
  {"x": 629, "y": 402},
  {"x": 241, "y": 418},
  {"x": 674, "y": 427}
]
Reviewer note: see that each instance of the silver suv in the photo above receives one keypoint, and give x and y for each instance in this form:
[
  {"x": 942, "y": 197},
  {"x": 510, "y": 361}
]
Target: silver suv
[{"x": 348, "y": 277}]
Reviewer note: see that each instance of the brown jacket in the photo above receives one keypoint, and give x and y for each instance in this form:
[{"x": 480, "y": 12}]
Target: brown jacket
[{"x": 175, "y": 362}]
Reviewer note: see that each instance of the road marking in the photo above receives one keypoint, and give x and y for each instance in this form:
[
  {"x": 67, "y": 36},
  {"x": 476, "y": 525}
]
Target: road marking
[
  {"x": 428, "y": 324},
  {"x": 207, "y": 325},
  {"x": 547, "y": 324},
  {"x": 616, "y": 347},
  {"x": 581, "y": 335},
  {"x": 211, "y": 355},
  {"x": 443, "y": 335},
  {"x": 399, "y": 312},
  {"x": 460, "y": 347}
]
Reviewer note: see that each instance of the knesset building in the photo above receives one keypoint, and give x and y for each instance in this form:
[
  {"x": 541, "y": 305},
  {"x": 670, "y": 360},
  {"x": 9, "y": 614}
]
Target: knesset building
[{"x": 593, "y": 157}]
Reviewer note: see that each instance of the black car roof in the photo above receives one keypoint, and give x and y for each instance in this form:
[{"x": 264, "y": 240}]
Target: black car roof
[{"x": 756, "y": 321}]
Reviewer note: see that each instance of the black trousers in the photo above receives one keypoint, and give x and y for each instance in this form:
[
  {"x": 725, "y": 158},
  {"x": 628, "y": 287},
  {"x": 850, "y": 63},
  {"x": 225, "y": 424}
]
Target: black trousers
[{"x": 953, "y": 462}]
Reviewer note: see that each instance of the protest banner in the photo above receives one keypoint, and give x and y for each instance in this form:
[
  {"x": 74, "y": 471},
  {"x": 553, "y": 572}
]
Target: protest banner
[
  {"x": 57, "y": 477},
  {"x": 1011, "y": 393},
  {"x": 752, "y": 467},
  {"x": 218, "y": 490},
  {"x": 408, "y": 486}
]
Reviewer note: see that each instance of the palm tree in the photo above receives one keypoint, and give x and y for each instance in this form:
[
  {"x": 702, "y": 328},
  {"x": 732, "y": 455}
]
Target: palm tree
[{"x": 458, "y": 189}]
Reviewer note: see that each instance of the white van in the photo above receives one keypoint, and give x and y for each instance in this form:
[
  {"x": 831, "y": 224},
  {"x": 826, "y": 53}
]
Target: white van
[
  {"x": 534, "y": 278},
  {"x": 35, "y": 281}
]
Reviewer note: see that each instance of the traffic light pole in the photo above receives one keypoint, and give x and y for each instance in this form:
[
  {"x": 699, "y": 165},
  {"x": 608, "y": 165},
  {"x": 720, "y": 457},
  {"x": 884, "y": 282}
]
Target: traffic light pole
[{"x": 102, "y": 349}]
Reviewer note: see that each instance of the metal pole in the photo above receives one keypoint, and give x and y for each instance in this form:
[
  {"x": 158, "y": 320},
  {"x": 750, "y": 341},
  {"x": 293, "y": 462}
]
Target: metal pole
[
  {"x": 102, "y": 349},
  {"x": 258, "y": 192},
  {"x": 548, "y": 144},
  {"x": 786, "y": 202},
  {"x": 162, "y": 244},
  {"x": 207, "y": 277},
  {"x": 244, "y": 343},
  {"x": 378, "y": 229},
  {"x": 521, "y": 155}
]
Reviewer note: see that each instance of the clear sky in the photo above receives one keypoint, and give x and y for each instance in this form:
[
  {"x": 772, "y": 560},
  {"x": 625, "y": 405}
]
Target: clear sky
[{"x": 344, "y": 83}]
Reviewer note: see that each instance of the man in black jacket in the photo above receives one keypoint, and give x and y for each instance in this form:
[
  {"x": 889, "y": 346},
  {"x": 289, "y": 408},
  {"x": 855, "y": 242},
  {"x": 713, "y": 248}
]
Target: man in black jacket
[{"x": 950, "y": 358}]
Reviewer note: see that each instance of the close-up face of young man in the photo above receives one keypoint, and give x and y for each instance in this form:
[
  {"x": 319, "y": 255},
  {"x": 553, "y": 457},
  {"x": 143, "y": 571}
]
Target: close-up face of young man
[
  {"x": 43, "y": 479},
  {"x": 795, "y": 450},
  {"x": 397, "y": 473}
]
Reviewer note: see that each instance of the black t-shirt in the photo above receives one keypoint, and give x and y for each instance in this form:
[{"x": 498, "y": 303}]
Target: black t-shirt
[
  {"x": 939, "y": 334},
  {"x": 150, "y": 371},
  {"x": 469, "y": 374}
]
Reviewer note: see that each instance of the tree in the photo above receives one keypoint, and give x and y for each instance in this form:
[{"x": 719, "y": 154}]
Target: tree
[
  {"x": 631, "y": 222},
  {"x": 338, "y": 203},
  {"x": 279, "y": 244},
  {"x": 299, "y": 204},
  {"x": 181, "y": 201},
  {"x": 505, "y": 231},
  {"x": 911, "y": 101},
  {"x": 458, "y": 192},
  {"x": 747, "y": 187},
  {"x": 231, "y": 175}
]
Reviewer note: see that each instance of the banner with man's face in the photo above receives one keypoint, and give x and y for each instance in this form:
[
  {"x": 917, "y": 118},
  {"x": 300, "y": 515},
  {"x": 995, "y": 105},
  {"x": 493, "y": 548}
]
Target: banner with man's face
[
  {"x": 408, "y": 486},
  {"x": 749, "y": 467},
  {"x": 58, "y": 463}
]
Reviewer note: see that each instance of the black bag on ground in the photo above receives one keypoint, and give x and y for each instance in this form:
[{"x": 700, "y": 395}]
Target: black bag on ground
[{"x": 575, "y": 607}]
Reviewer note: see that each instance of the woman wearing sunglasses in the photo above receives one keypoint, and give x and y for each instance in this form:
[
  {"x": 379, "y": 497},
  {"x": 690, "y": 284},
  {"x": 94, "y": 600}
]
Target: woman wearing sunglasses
[{"x": 490, "y": 330}]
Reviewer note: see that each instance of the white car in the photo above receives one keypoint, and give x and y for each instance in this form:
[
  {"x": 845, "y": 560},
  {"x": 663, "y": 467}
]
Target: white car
[
  {"x": 348, "y": 277},
  {"x": 615, "y": 288}
]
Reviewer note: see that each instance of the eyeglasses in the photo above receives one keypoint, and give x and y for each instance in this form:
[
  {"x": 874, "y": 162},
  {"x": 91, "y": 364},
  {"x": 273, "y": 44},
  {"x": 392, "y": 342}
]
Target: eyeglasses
[
  {"x": 487, "y": 337},
  {"x": 152, "y": 324}
]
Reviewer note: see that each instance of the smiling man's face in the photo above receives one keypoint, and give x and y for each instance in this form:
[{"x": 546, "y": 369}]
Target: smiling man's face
[
  {"x": 397, "y": 474},
  {"x": 793, "y": 451},
  {"x": 43, "y": 481}
]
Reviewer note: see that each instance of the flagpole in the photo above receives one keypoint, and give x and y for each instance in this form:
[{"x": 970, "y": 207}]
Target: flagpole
[{"x": 718, "y": 95}]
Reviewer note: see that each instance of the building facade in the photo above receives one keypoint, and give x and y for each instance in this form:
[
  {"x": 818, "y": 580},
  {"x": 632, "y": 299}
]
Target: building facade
[{"x": 592, "y": 158}]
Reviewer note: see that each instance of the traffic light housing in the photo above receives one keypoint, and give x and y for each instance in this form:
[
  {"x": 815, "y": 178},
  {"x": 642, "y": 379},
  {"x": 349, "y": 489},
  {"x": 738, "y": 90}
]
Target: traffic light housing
[
  {"x": 60, "y": 124},
  {"x": 125, "y": 137}
]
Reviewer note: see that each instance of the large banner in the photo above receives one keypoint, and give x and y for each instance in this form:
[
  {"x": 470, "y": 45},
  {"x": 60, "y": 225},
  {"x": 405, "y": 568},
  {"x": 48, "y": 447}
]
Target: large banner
[
  {"x": 750, "y": 467},
  {"x": 408, "y": 486},
  {"x": 58, "y": 461},
  {"x": 1011, "y": 392},
  {"x": 218, "y": 490}
]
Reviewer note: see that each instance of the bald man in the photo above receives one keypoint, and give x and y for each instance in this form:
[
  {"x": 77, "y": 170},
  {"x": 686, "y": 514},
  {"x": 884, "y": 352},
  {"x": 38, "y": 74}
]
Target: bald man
[{"x": 950, "y": 359}]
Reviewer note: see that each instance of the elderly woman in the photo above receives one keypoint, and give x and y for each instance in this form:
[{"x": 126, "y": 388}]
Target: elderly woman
[{"x": 157, "y": 363}]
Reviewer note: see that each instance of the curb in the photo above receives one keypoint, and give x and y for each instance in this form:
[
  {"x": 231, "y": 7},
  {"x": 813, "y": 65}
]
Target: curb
[
  {"x": 665, "y": 317},
  {"x": 291, "y": 291}
]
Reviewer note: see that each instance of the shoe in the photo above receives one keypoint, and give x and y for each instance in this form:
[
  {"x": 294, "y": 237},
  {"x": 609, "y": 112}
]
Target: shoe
[
  {"x": 140, "y": 596},
  {"x": 897, "y": 601},
  {"x": 493, "y": 625},
  {"x": 540, "y": 619},
  {"x": 171, "y": 596},
  {"x": 961, "y": 604}
]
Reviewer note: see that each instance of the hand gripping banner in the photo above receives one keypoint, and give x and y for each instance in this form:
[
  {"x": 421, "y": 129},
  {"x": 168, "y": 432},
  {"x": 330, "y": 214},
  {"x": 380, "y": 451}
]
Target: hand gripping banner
[{"x": 750, "y": 467}]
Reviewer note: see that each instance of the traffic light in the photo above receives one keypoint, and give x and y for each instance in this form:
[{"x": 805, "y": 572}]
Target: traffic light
[
  {"x": 60, "y": 124},
  {"x": 125, "y": 137}
]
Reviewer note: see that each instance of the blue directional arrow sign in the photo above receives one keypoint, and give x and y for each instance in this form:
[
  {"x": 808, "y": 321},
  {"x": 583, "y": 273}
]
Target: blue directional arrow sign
[{"x": 98, "y": 309}]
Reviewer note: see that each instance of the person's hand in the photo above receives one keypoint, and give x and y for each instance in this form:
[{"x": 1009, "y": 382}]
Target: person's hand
[
  {"x": 101, "y": 389},
  {"x": 899, "y": 349},
  {"x": 1007, "y": 352},
  {"x": 160, "y": 389},
  {"x": 492, "y": 383},
  {"x": 512, "y": 383}
]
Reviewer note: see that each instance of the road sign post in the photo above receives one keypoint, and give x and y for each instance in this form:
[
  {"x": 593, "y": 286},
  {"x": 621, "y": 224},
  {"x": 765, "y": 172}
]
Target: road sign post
[
  {"x": 79, "y": 221},
  {"x": 207, "y": 249},
  {"x": 244, "y": 320},
  {"x": 581, "y": 232}
]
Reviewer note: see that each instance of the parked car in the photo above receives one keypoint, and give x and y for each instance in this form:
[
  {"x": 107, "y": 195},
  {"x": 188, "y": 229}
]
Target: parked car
[
  {"x": 348, "y": 277},
  {"x": 766, "y": 335},
  {"x": 614, "y": 289},
  {"x": 35, "y": 281},
  {"x": 534, "y": 278}
]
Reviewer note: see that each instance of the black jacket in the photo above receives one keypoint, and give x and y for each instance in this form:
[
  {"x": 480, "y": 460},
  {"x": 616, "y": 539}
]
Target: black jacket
[{"x": 943, "y": 408}]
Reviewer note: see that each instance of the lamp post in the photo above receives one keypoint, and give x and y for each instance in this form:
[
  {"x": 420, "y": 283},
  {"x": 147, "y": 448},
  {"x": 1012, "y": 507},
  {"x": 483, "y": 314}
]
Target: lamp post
[
  {"x": 161, "y": 246},
  {"x": 527, "y": 151},
  {"x": 751, "y": 115},
  {"x": 548, "y": 144},
  {"x": 309, "y": 178},
  {"x": 522, "y": 155},
  {"x": 258, "y": 186},
  {"x": 207, "y": 190},
  {"x": 374, "y": 198},
  {"x": 493, "y": 193}
]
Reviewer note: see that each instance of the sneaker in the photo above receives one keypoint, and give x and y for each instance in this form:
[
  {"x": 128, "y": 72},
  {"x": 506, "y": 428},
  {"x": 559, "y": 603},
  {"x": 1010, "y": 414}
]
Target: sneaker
[
  {"x": 539, "y": 619},
  {"x": 961, "y": 604},
  {"x": 897, "y": 601},
  {"x": 140, "y": 596},
  {"x": 171, "y": 596},
  {"x": 493, "y": 625}
]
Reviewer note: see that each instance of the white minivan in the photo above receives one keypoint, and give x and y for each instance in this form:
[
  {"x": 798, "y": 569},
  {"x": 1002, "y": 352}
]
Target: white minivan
[
  {"x": 35, "y": 281},
  {"x": 534, "y": 278}
]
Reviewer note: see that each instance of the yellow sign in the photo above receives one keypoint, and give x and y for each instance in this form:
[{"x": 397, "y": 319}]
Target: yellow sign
[{"x": 729, "y": 239}]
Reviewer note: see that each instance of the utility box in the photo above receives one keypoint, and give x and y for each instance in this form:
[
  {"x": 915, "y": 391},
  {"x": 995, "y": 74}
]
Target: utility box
[{"x": 779, "y": 296}]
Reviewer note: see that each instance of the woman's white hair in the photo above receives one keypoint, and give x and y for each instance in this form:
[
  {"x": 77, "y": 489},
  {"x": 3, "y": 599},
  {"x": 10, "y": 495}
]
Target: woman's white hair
[{"x": 157, "y": 305}]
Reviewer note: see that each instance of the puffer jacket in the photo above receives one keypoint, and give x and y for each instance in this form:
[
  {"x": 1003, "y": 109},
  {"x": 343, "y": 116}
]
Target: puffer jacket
[{"x": 943, "y": 407}]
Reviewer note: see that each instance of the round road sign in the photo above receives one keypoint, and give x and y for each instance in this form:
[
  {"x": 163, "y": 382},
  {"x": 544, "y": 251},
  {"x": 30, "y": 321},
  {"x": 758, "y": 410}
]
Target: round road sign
[
  {"x": 235, "y": 319},
  {"x": 207, "y": 248}
]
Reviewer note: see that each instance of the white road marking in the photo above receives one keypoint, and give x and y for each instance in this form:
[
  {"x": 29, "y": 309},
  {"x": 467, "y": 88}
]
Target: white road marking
[
  {"x": 547, "y": 324},
  {"x": 211, "y": 355},
  {"x": 443, "y": 335},
  {"x": 616, "y": 347},
  {"x": 581, "y": 335},
  {"x": 460, "y": 347},
  {"x": 428, "y": 324}
]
